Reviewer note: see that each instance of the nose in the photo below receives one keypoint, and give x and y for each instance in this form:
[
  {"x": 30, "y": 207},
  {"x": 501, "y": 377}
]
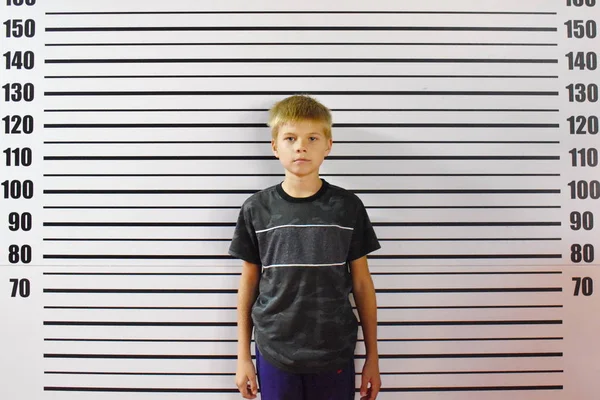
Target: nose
[{"x": 300, "y": 146}]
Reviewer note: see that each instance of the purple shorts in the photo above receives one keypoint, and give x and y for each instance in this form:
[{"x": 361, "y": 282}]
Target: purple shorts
[{"x": 276, "y": 384}]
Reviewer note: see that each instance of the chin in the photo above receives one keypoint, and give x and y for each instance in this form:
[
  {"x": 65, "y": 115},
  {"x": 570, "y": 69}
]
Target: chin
[{"x": 295, "y": 172}]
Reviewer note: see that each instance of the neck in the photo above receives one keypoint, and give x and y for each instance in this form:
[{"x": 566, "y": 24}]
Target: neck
[{"x": 302, "y": 186}]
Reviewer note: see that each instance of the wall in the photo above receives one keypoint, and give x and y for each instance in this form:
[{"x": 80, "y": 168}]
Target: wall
[{"x": 453, "y": 121}]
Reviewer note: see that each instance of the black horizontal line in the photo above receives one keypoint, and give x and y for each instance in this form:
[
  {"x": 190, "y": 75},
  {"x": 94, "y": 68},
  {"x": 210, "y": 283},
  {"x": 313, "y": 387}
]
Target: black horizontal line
[
  {"x": 142, "y": 207},
  {"x": 172, "y": 373},
  {"x": 360, "y": 340},
  {"x": 145, "y": 340},
  {"x": 137, "y": 323},
  {"x": 471, "y": 388},
  {"x": 147, "y": 273},
  {"x": 234, "y": 291},
  {"x": 343, "y": 125},
  {"x": 301, "y": 28},
  {"x": 383, "y": 389},
  {"x": 468, "y": 323},
  {"x": 213, "y": 224},
  {"x": 517, "y": 239},
  {"x": 482, "y": 239},
  {"x": 133, "y": 308},
  {"x": 463, "y": 223},
  {"x": 144, "y": 291},
  {"x": 465, "y": 256},
  {"x": 374, "y": 158},
  {"x": 472, "y": 273},
  {"x": 140, "y": 373},
  {"x": 232, "y": 357},
  {"x": 135, "y": 257},
  {"x": 473, "y": 290},
  {"x": 386, "y": 12},
  {"x": 299, "y": 60},
  {"x": 297, "y": 76},
  {"x": 133, "y": 240},
  {"x": 475, "y": 307},
  {"x": 250, "y": 191},
  {"x": 539, "y": 371},
  {"x": 333, "y": 109},
  {"x": 280, "y": 175},
  {"x": 223, "y": 257},
  {"x": 236, "y": 207},
  {"x": 460, "y": 207},
  {"x": 135, "y": 390},
  {"x": 224, "y": 224},
  {"x": 372, "y": 273},
  {"x": 234, "y": 308},
  {"x": 338, "y": 142},
  {"x": 315, "y": 92},
  {"x": 503, "y": 44}
]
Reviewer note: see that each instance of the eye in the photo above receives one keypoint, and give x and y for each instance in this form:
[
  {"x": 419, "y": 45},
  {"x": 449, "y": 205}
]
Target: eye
[
  {"x": 289, "y": 137},
  {"x": 313, "y": 138}
]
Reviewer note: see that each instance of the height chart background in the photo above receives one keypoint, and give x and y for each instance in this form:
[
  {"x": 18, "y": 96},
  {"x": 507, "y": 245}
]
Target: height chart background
[{"x": 134, "y": 130}]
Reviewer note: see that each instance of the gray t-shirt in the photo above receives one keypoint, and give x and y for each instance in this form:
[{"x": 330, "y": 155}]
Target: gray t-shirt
[{"x": 302, "y": 316}]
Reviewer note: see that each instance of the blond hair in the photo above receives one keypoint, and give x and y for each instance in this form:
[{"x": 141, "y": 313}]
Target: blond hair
[{"x": 297, "y": 108}]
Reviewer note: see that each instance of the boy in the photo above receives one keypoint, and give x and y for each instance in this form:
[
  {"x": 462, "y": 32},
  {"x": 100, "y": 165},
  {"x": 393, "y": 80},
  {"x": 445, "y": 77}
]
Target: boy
[{"x": 303, "y": 245}]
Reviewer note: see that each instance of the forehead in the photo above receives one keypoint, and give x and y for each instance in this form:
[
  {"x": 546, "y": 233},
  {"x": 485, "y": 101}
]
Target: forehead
[{"x": 302, "y": 127}]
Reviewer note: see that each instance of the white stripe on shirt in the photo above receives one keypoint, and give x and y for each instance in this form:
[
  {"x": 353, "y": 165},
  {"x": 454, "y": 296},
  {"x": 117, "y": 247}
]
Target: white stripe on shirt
[
  {"x": 305, "y": 226},
  {"x": 303, "y": 265}
]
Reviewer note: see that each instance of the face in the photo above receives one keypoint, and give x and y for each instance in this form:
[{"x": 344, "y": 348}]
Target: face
[{"x": 301, "y": 147}]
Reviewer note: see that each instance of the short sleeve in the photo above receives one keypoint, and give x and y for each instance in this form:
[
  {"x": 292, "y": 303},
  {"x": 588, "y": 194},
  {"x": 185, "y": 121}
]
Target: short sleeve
[
  {"x": 244, "y": 244},
  {"x": 364, "y": 240}
]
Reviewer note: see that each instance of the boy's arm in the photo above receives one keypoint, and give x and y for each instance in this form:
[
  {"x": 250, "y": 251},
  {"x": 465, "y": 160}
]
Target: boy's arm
[
  {"x": 245, "y": 376},
  {"x": 247, "y": 293},
  {"x": 366, "y": 303}
]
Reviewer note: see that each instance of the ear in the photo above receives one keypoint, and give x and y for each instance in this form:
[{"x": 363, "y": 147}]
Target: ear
[
  {"x": 274, "y": 148},
  {"x": 329, "y": 145}
]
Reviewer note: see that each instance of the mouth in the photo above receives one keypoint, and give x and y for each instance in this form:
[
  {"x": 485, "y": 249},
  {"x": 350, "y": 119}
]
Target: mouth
[{"x": 301, "y": 160}]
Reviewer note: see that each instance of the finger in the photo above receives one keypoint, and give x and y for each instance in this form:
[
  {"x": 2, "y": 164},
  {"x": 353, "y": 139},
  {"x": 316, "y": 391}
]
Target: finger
[
  {"x": 246, "y": 390},
  {"x": 253, "y": 385},
  {"x": 374, "y": 392},
  {"x": 243, "y": 388},
  {"x": 250, "y": 395},
  {"x": 243, "y": 391},
  {"x": 372, "y": 395},
  {"x": 367, "y": 395},
  {"x": 364, "y": 386}
]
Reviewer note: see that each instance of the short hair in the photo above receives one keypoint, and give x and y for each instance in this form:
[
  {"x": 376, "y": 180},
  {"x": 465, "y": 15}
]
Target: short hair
[{"x": 297, "y": 108}]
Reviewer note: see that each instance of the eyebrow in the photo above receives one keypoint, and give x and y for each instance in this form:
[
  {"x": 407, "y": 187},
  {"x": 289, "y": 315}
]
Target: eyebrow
[{"x": 311, "y": 133}]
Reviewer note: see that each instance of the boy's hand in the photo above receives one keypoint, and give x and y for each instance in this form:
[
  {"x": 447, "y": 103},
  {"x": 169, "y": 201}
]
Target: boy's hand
[
  {"x": 370, "y": 374},
  {"x": 245, "y": 379}
]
